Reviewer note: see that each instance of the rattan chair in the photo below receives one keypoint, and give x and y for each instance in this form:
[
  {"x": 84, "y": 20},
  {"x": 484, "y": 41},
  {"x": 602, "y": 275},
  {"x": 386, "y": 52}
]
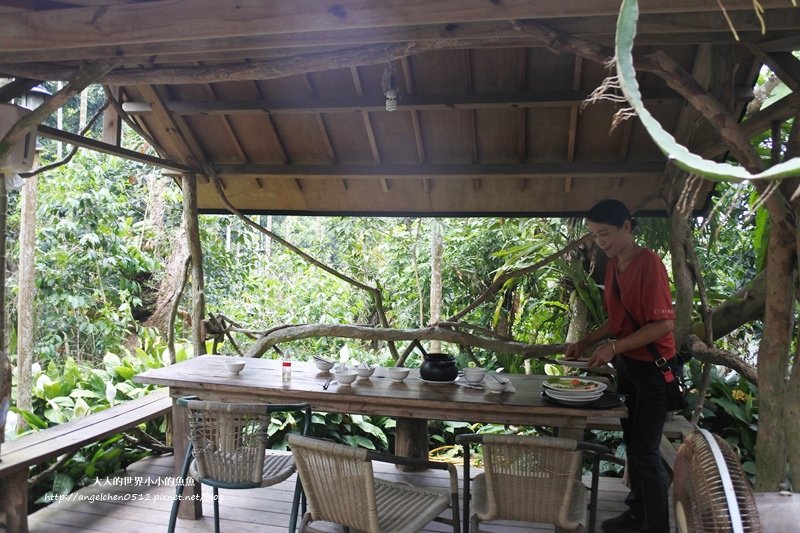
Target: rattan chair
[
  {"x": 340, "y": 486},
  {"x": 529, "y": 479},
  {"x": 228, "y": 449}
]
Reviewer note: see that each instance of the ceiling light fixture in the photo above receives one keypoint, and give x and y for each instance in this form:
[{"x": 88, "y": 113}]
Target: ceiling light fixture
[{"x": 389, "y": 85}]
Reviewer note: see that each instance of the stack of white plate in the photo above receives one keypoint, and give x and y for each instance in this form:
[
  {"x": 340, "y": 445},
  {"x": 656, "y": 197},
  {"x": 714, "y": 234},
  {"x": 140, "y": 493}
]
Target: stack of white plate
[{"x": 573, "y": 391}]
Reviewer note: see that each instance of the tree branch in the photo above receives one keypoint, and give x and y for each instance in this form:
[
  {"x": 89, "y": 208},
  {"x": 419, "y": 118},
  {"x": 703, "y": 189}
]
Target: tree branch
[
  {"x": 720, "y": 357},
  {"x": 372, "y": 291},
  {"x": 502, "y": 279},
  {"x": 86, "y": 74},
  {"x": 292, "y": 333}
]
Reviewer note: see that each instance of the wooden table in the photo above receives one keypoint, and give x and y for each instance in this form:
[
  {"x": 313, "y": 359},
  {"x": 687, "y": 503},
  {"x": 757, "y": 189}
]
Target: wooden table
[{"x": 412, "y": 402}]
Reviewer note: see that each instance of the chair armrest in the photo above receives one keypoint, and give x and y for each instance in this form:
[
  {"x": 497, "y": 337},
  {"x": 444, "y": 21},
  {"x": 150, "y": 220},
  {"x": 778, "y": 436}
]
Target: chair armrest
[
  {"x": 405, "y": 461},
  {"x": 469, "y": 438},
  {"x": 599, "y": 449},
  {"x": 183, "y": 401},
  {"x": 282, "y": 407}
]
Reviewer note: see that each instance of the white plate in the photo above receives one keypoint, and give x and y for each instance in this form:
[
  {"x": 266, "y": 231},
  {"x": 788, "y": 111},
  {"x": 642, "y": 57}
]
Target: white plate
[
  {"x": 571, "y": 401},
  {"x": 438, "y": 382},
  {"x": 552, "y": 384},
  {"x": 572, "y": 396}
]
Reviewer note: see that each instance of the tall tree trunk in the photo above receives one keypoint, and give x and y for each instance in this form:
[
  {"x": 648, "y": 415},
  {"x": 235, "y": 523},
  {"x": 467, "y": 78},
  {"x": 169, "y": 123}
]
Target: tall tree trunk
[
  {"x": 189, "y": 182},
  {"x": 436, "y": 279},
  {"x": 5, "y": 364},
  {"x": 578, "y": 318},
  {"x": 773, "y": 358},
  {"x": 171, "y": 286},
  {"x": 27, "y": 292}
]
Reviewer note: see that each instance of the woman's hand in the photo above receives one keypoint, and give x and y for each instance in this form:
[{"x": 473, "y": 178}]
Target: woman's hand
[
  {"x": 602, "y": 355},
  {"x": 575, "y": 350}
]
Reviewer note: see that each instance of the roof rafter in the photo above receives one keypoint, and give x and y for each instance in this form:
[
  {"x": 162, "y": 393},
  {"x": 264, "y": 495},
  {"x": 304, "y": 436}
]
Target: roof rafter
[{"x": 206, "y": 19}]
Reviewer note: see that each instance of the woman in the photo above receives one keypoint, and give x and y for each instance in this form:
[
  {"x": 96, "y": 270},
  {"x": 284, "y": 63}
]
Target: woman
[{"x": 639, "y": 326}]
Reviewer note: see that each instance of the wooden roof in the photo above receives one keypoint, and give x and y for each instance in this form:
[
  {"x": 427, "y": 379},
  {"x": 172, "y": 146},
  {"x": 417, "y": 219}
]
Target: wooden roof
[{"x": 284, "y": 100}]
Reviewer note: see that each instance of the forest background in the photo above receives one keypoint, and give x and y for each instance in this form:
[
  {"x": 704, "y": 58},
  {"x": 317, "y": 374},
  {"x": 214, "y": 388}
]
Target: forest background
[{"x": 106, "y": 227}]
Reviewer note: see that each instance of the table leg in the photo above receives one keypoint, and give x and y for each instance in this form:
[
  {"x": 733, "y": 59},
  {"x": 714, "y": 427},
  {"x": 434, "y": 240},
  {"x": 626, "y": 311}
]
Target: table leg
[
  {"x": 191, "y": 507},
  {"x": 411, "y": 440}
]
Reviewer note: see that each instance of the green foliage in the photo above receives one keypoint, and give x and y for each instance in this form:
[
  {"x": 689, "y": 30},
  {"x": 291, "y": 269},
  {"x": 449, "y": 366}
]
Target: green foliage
[
  {"x": 730, "y": 410},
  {"x": 90, "y": 262},
  {"x": 77, "y": 389}
]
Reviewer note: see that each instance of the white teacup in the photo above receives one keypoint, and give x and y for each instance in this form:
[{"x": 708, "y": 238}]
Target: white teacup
[{"x": 474, "y": 375}]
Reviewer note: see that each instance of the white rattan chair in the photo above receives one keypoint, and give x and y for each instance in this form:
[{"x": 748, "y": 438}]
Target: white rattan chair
[
  {"x": 340, "y": 486},
  {"x": 529, "y": 479},
  {"x": 228, "y": 449}
]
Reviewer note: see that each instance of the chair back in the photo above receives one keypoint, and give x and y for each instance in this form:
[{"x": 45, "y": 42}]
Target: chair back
[
  {"x": 229, "y": 440},
  {"x": 338, "y": 482},
  {"x": 530, "y": 479}
]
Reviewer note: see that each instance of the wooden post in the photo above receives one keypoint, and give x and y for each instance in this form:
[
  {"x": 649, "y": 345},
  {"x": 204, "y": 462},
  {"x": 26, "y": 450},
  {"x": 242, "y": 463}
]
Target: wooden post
[
  {"x": 14, "y": 502},
  {"x": 26, "y": 296},
  {"x": 189, "y": 182},
  {"x": 112, "y": 125},
  {"x": 411, "y": 440}
]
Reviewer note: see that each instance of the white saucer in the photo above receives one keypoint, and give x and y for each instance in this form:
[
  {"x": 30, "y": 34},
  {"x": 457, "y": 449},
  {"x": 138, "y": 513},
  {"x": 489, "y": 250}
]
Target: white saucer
[{"x": 438, "y": 382}]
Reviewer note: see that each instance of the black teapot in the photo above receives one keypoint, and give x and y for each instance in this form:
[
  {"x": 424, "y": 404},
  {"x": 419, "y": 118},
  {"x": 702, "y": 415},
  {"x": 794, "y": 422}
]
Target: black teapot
[{"x": 436, "y": 366}]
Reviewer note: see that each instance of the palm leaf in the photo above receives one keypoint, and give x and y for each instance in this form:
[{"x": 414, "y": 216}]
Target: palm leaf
[{"x": 676, "y": 152}]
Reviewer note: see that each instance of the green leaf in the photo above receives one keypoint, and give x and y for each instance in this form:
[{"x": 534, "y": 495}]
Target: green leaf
[
  {"x": 62, "y": 484},
  {"x": 359, "y": 441},
  {"x": 81, "y": 408},
  {"x": 125, "y": 372},
  {"x": 676, "y": 152},
  {"x": 111, "y": 393},
  {"x": 31, "y": 419}
]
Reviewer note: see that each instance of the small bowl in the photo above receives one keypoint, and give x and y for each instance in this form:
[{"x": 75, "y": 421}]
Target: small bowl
[
  {"x": 345, "y": 378},
  {"x": 365, "y": 372},
  {"x": 234, "y": 367},
  {"x": 397, "y": 373},
  {"x": 474, "y": 375},
  {"x": 325, "y": 366},
  {"x": 493, "y": 385}
]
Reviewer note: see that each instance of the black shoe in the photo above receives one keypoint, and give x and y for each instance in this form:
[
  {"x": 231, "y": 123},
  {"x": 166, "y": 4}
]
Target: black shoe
[{"x": 627, "y": 522}]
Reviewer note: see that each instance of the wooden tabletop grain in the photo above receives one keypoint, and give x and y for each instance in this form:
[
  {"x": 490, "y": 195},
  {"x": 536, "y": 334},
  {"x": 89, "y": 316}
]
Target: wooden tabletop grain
[{"x": 261, "y": 380}]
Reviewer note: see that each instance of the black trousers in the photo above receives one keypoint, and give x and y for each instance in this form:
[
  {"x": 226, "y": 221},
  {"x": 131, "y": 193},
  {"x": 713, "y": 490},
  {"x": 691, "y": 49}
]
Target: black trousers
[{"x": 646, "y": 400}]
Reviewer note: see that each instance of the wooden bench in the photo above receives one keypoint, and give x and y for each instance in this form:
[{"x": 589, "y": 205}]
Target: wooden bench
[{"x": 17, "y": 456}]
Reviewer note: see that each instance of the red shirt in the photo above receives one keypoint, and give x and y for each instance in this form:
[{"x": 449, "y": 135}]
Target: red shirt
[{"x": 644, "y": 288}]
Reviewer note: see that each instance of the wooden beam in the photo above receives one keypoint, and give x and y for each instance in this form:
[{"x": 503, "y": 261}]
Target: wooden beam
[
  {"x": 112, "y": 123},
  {"x": 408, "y": 102},
  {"x": 676, "y": 27},
  {"x": 16, "y": 88},
  {"x": 783, "y": 64},
  {"x": 528, "y": 170},
  {"x": 408, "y": 77},
  {"x": 178, "y": 20},
  {"x": 105, "y": 148},
  {"x": 573, "y": 119}
]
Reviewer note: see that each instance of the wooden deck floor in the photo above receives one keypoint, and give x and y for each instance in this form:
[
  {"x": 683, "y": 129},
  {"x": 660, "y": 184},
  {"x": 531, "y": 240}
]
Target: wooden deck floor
[{"x": 142, "y": 502}]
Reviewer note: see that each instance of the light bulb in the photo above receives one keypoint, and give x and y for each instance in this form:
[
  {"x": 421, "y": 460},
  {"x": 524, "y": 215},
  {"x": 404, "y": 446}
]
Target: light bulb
[{"x": 391, "y": 99}]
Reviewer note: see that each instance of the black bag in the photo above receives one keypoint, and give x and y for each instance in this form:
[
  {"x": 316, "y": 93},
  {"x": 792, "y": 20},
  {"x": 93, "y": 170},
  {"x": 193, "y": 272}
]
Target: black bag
[{"x": 676, "y": 393}]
